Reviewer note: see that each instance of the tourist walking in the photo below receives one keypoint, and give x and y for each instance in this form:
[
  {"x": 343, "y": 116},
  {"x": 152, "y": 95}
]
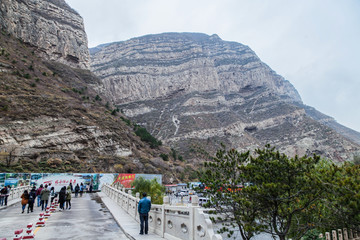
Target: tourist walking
[
  {"x": 38, "y": 191},
  {"x": 45, "y": 193},
  {"x": 52, "y": 194},
  {"x": 7, "y": 193},
  {"x": 32, "y": 197},
  {"x": 62, "y": 198},
  {"x": 77, "y": 189},
  {"x": 82, "y": 187},
  {"x": 24, "y": 200},
  {"x": 3, "y": 192},
  {"x": 68, "y": 198},
  {"x": 144, "y": 207}
]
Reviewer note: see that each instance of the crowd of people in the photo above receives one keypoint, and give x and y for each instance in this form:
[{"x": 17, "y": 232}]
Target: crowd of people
[{"x": 46, "y": 194}]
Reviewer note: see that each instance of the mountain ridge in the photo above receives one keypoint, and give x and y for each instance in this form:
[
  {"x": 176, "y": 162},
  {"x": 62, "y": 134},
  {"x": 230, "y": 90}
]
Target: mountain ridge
[{"x": 164, "y": 80}]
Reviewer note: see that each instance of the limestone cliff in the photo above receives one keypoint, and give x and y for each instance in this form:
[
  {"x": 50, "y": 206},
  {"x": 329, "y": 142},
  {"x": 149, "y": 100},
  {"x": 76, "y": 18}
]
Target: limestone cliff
[
  {"x": 194, "y": 91},
  {"x": 52, "y": 120},
  {"x": 52, "y": 26},
  {"x": 156, "y": 66}
]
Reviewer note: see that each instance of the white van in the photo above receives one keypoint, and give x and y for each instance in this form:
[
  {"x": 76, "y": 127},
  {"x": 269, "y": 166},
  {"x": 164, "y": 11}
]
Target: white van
[{"x": 203, "y": 200}]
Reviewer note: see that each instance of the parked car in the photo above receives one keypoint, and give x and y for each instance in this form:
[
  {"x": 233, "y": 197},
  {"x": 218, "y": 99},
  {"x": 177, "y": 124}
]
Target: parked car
[{"x": 203, "y": 200}]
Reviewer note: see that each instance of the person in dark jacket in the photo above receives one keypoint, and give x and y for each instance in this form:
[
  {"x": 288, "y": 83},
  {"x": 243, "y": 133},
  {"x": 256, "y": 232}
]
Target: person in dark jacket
[
  {"x": 32, "y": 197},
  {"x": 62, "y": 198},
  {"x": 3, "y": 192},
  {"x": 77, "y": 189},
  {"x": 52, "y": 194},
  {"x": 144, "y": 207},
  {"x": 82, "y": 187},
  {"x": 7, "y": 193}
]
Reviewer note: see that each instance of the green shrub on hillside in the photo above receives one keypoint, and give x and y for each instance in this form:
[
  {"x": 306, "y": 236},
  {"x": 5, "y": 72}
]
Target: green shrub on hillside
[
  {"x": 164, "y": 156},
  {"x": 146, "y": 136}
]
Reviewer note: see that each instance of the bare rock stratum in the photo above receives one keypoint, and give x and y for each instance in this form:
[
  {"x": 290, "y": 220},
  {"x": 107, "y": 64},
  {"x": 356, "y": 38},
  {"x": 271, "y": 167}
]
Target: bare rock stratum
[
  {"x": 52, "y": 26},
  {"x": 195, "y": 91}
]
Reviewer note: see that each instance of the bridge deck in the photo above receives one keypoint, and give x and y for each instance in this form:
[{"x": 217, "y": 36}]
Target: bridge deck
[{"x": 88, "y": 218}]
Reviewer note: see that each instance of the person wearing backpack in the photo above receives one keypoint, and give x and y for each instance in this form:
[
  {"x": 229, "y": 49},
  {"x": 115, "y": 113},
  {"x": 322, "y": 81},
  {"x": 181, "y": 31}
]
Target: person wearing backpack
[
  {"x": 77, "y": 189},
  {"x": 32, "y": 197},
  {"x": 68, "y": 197},
  {"x": 24, "y": 200}
]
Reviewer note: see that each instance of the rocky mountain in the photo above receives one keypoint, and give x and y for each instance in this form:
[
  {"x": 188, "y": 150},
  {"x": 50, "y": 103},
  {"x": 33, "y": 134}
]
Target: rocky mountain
[
  {"x": 194, "y": 91},
  {"x": 52, "y": 26},
  {"x": 51, "y": 118}
]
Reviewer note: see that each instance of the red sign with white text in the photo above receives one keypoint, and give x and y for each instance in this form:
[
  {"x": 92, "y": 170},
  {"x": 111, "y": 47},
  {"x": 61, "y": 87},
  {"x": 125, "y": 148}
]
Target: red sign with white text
[{"x": 125, "y": 179}]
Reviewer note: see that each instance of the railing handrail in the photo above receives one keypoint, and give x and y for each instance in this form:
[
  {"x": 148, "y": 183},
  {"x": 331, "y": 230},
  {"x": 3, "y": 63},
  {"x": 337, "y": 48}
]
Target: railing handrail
[{"x": 194, "y": 224}]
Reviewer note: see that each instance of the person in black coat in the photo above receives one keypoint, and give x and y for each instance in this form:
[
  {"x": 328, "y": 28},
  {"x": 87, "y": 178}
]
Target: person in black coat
[
  {"x": 77, "y": 189},
  {"x": 62, "y": 197},
  {"x": 32, "y": 197}
]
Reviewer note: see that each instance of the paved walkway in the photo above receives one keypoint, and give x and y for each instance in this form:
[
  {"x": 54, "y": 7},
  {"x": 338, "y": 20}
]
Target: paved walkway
[
  {"x": 91, "y": 217},
  {"x": 88, "y": 219},
  {"x": 129, "y": 225}
]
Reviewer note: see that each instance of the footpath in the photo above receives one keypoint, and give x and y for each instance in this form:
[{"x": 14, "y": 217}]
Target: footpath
[
  {"x": 87, "y": 219},
  {"x": 130, "y": 226},
  {"x": 10, "y": 203}
]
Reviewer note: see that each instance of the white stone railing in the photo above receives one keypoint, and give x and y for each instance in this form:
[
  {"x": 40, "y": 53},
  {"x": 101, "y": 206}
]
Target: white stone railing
[
  {"x": 170, "y": 222},
  {"x": 15, "y": 193},
  {"x": 341, "y": 234}
]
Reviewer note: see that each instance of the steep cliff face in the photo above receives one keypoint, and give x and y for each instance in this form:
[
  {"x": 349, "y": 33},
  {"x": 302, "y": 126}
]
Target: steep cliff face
[
  {"x": 156, "y": 66},
  {"x": 52, "y": 26},
  {"x": 194, "y": 91},
  {"x": 52, "y": 120}
]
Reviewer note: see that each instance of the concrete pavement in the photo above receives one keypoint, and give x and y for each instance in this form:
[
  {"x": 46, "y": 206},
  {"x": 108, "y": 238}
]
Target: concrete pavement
[
  {"x": 130, "y": 227},
  {"x": 87, "y": 219}
]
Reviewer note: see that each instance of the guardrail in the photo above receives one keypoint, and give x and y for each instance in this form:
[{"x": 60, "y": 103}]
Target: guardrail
[
  {"x": 341, "y": 234},
  {"x": 15, "y": 193},
  {"x": 170, "y": 222}
]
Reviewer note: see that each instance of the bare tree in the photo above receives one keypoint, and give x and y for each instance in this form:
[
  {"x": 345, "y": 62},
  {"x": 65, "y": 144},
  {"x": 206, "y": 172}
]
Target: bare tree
[{"x": 9, "y": 154}]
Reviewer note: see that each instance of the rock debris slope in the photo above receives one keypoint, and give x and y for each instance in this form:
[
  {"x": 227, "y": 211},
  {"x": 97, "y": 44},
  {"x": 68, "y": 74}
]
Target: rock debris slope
[
  {"x": 51, "y": 118},
  {"x": 194, "y": 91}
]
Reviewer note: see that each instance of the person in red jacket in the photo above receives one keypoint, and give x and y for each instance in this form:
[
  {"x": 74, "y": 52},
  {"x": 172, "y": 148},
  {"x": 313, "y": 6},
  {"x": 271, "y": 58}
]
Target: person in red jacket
[{"x": 38, "y": 192}]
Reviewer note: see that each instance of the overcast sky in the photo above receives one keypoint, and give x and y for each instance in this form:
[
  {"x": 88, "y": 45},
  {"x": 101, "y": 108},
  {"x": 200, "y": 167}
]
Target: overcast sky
[{"x": 315, "y": 44}]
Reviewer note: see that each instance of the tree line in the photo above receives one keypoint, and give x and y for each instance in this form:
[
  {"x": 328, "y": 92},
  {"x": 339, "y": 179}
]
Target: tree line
[{"x": 286, "y": 197}]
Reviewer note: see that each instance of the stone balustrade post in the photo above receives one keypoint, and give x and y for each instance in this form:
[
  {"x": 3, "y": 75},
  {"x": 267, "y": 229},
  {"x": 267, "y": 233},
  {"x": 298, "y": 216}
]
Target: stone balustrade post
[
  {"x": 195, "y": 201},
  {"x": 166, "y": 200},
  {"x": 351, "y": 235},
  {"x": 327, "y": 236},
  {"x": 137, "y": 195},
  {"x": 340, "y": 234},
  {"x": 334, "y": 235},
  {"x": 128, "y": 201}
]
